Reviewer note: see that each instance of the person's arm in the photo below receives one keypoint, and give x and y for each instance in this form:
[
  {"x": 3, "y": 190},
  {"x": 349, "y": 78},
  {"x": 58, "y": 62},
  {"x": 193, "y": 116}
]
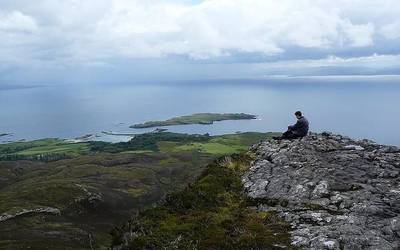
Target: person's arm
[{"x": 295, "y": 126}]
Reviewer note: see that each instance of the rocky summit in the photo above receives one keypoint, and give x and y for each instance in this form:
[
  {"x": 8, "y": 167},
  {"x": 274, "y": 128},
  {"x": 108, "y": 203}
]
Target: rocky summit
[{"x": 336, "y": 192}]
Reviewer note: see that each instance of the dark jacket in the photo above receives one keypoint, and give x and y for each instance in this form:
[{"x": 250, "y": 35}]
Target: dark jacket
[{"x": 301, "y": 127}]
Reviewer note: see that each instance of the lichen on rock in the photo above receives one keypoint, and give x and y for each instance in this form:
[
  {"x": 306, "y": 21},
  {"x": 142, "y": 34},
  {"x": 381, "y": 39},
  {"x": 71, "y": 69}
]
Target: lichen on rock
[{"x": 336, "y": 192}]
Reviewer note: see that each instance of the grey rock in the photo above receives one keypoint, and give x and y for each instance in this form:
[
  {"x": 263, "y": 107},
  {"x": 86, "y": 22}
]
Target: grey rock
[
  {"x": 39, "y": 210},
  {"x": 337, "y": 193}
]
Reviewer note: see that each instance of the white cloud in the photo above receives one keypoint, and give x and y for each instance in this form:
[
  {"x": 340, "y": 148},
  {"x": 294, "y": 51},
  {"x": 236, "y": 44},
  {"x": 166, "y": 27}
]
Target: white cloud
[
  {"x": 93, "y": 31},
  {"x": 391, "y": 30},
  {"x": 17, "y": 35},
  {"x": 364, "y": 61},
  {"x": 359, "y": 35},
  {"x": 16, "y": 21}
]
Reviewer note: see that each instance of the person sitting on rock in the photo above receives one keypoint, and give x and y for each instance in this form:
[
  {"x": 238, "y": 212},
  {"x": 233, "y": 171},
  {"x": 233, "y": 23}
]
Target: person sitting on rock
[{"x": 298, "y": 130}]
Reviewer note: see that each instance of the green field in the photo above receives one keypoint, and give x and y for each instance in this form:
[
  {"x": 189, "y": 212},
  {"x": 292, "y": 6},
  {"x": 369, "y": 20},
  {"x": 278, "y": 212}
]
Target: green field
[
  {"x": 200, "y": 118},
  {"x": 40, "y": 149},
  {"x": 97, "y": 185}
]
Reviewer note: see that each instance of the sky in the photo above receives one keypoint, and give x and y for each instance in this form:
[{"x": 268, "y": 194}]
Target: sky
[{"x": 62, "y": 41}]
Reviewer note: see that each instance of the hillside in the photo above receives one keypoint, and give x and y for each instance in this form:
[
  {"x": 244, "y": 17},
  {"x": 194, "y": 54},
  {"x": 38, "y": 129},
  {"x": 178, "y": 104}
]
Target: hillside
[
  {"x": 211, "y": 213},
  {"x": 61, "y": 195},
  {"x": 324, "y": 191},
  {"x": 184, "y": 191}
]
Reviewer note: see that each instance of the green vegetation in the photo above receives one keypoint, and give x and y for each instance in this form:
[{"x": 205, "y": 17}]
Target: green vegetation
[
  {"x": 55, "y": 149},
  {"x": 200, "y": 118},
  {"x": 146, "y": 141},
  {"x": 93, "y": 192},
  {"x": 224, "y": 144},
  {"x": 212, "y": 213},
  {"x": 46, "y": 150},
  {"x": 97, "y": 185}
]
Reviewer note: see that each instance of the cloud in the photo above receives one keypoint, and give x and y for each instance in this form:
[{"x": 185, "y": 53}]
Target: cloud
[
  {"x": 218, "y": 28},
  {"x": 391, "y": 30},
  {"x": 55, "y": 33},
  {"x": 365, "y": 61},
  {"x": 15, "y": 21},
  {"x": 360, "y": 35},
  {"x": 332, "y": 65}
]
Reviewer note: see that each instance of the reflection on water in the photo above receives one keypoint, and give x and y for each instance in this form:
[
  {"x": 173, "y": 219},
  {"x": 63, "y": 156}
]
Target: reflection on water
[{"x": 358, "y": 108}]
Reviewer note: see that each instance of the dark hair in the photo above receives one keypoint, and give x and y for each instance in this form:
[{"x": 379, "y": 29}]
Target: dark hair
[{"x": 298, "y": 113}]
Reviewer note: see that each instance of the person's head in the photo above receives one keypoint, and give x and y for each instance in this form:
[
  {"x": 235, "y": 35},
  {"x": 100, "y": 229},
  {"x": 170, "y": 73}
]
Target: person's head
[{"x": 298, "y": 114}]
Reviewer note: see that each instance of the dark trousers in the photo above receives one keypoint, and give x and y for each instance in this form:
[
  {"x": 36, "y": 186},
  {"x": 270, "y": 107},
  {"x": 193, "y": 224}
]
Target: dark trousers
[{"x": 290, "y": 135}]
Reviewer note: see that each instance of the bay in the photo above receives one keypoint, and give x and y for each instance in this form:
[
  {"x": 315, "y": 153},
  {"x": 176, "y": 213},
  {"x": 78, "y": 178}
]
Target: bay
[{"x": 360, "y": 107}]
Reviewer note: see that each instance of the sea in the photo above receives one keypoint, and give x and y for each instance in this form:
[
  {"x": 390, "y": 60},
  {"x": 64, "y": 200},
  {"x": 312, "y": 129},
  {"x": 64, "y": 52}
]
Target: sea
[{"x": 356, "y": 106}]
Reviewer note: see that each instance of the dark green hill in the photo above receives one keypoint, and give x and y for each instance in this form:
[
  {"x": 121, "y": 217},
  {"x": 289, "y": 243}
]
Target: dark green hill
[
  {"x": 56, "y": 194},
  {"x": 212, "y": 213}
]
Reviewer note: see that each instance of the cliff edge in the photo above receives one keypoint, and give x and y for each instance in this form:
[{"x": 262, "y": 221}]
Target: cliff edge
[{"x": 336, "y": 192}]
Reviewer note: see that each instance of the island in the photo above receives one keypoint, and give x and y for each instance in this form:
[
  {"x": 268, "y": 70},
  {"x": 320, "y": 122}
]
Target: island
[{"x": 199, "y": 118}]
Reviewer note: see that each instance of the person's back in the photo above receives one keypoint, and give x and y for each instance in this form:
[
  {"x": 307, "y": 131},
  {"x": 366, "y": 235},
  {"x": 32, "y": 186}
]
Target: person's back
[
  {"x": 301, "y": 127},
  {"x": 298, "y": 130}
]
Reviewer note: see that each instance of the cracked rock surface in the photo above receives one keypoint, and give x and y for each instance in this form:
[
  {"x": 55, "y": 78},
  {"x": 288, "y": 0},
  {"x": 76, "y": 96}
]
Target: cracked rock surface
[{"x": 337, "y": 193}]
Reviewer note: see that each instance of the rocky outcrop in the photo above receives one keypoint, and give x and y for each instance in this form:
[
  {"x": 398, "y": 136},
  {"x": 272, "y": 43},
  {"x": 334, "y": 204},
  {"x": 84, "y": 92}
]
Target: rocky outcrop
[
  {"x": 336, "y": 192},
  {"x": 39, "y": 210}
]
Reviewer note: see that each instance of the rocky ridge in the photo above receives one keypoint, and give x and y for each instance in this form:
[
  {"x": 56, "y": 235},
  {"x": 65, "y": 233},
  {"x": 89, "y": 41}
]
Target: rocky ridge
[{"x": 336, "y": 192}]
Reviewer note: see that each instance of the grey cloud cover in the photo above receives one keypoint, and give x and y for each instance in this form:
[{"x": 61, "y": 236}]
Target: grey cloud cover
[{"x": 97, "y": 35}]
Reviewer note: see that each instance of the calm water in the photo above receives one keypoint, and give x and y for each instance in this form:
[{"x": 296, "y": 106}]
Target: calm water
[{"x": 360, "y": 107}]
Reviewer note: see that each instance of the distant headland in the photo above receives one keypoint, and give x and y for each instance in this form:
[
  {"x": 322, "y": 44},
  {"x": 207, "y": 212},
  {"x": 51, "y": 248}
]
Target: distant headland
[{"x": 199, "y": 118}]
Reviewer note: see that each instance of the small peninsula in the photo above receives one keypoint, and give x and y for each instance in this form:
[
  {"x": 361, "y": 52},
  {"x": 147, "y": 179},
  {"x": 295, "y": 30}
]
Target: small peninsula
[{"x": 199, "y": 118}]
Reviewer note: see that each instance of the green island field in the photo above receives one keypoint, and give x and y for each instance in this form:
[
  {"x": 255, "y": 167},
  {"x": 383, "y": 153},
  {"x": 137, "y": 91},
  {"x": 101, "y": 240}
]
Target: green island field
[
  {"x": 61, "y": 195},
  {"x": 199, "y": 118}
]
